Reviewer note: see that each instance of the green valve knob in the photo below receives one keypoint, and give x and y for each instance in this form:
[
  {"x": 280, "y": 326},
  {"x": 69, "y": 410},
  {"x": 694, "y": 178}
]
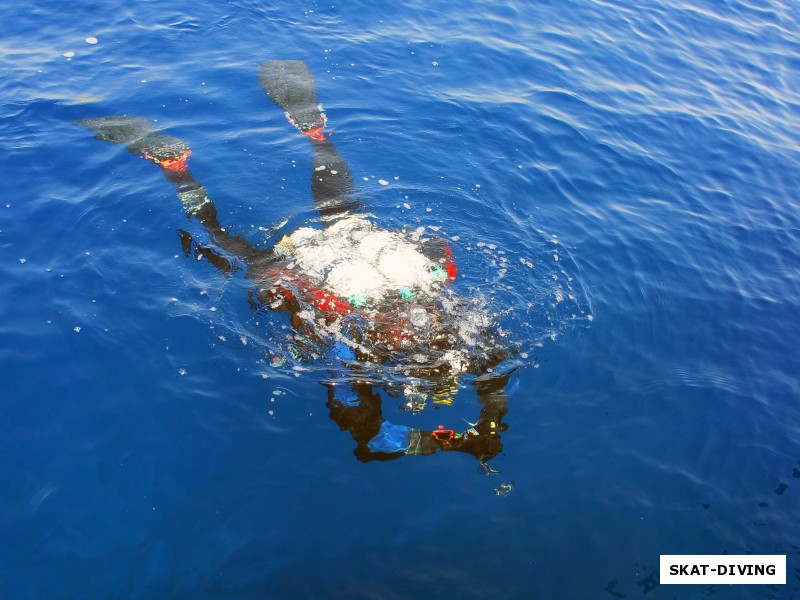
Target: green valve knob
[
  {"x": 438, "y": 274},
  {"x": 357, "y": 300}
]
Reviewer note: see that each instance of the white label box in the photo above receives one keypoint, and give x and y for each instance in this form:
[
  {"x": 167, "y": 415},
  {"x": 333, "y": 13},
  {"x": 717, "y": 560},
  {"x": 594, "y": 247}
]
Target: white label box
[{"x": 723, "y": 568}]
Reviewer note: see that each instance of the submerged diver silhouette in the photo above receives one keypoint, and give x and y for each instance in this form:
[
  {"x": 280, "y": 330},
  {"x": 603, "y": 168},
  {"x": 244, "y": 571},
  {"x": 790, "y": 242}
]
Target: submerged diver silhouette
[{"x": 367, "y": 297}]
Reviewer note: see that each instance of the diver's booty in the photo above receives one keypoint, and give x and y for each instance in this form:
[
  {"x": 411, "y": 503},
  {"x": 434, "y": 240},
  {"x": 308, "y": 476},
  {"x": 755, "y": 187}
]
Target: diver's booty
[{"x": 290, "y": 85}]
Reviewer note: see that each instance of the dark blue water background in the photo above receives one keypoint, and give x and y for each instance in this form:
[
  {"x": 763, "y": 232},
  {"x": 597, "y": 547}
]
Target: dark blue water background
[{"x": 652, "y": 147}]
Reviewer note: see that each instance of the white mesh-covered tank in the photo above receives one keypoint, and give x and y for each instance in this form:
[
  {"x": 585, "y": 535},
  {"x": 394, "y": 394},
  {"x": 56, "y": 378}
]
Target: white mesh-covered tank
[{"x": 355, "y": 259}]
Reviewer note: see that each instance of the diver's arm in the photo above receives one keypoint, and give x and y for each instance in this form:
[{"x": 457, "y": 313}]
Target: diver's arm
[
  {"x": 357, "y": 409},
  {"x": 482, "y": 440}
]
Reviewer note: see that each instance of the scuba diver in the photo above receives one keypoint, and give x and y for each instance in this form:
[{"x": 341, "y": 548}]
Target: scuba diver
[{"x": 374, "y": 302}]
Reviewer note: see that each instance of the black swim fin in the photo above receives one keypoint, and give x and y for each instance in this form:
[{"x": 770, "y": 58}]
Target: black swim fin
[
  {"x": 122, "y": 129},
  {"x": 290, "y": 85},
  {"x": 141, "y": 137}
]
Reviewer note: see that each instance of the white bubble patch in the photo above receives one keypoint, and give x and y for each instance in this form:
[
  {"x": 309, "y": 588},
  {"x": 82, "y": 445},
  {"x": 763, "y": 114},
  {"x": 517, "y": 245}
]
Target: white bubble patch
[{"x": 355, "y": 258}]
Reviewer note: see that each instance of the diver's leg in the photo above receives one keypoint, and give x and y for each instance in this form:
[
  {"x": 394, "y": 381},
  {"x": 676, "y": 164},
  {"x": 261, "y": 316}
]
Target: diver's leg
[
  {"x": 171, "y": 154},
  {"x": 291, "y": 86},
  {"x": 331, "y": 182}
]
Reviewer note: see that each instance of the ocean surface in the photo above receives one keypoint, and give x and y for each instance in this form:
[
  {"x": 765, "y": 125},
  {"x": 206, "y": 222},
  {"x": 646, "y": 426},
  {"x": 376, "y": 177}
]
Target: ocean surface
[{"x": 619, "y": 181}]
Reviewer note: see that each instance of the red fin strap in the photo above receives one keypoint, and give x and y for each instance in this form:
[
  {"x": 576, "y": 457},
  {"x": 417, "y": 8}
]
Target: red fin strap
[
  {"x": 172, "y": 164},
  {"x": 315, "y": 134}
]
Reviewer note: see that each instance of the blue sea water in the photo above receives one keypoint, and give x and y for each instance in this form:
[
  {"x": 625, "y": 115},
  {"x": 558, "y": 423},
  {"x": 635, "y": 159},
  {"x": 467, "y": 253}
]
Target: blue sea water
[{"x": 640, "y": 158}]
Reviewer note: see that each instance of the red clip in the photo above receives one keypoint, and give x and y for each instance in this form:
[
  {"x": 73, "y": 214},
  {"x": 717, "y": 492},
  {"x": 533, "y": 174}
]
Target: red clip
[
  {"x": 444, "y": 436},
  {"x": 315, "y": 134}
]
